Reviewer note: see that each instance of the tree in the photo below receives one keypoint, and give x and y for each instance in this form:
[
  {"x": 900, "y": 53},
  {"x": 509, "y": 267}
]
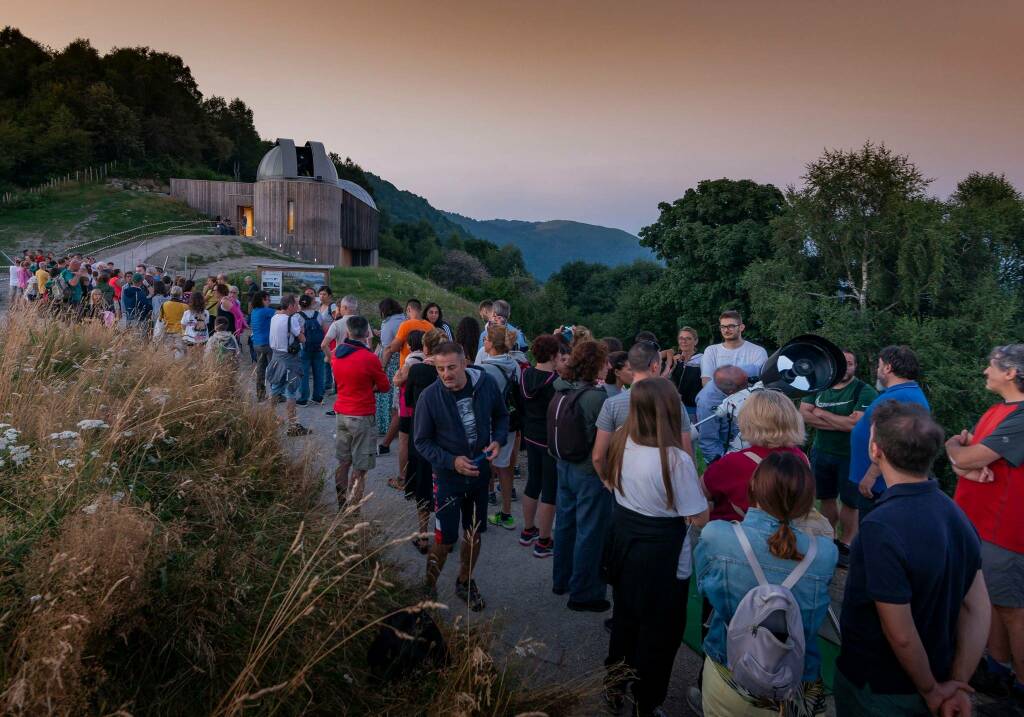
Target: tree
[
  {"x": 459, "y": 269},
  {"x": 708, "y": 238}
]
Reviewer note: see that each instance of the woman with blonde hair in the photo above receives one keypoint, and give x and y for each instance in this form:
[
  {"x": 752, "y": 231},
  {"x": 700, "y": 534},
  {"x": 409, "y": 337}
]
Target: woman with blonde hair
[
  {"x": 770, "y": 423},
  {"x": 648, "y": 563}
]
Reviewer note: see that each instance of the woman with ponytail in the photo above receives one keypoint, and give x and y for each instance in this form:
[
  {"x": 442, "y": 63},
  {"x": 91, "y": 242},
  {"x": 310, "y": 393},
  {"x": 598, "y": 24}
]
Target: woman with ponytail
[
  {"x": 780, "y": 495},
  {"x": 647, "y": 557}
]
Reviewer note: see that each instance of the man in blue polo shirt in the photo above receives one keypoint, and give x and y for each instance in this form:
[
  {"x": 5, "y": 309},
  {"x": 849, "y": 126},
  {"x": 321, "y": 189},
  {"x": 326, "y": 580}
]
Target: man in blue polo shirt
[
  {"x": 915, "y": 612},
  {"x": 898, "y": 372},
  {"x": 501, "y": 310}
]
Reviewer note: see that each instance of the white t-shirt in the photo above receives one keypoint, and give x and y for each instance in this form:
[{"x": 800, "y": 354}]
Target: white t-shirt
[
  {"x": 279, "y": 330},
  {"x": 326, "y": 314},
  {"x": 339, "y": 330},
  {"x": 748, "y": 356},
  {"x": 14, "y": 275},
  {"x": 197, "y": 327},
  {"x": 645, "y": 491}
]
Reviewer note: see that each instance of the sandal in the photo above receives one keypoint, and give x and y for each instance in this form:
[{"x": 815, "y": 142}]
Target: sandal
[{"x": 396, "y": 483}]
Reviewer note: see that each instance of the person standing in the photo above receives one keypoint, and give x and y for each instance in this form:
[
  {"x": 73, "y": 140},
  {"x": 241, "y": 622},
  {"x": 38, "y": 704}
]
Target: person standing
[
  {"x": 542, "y": 475},
  {"x": 657, "y": 494},
  {"x": 137, "y": 306},
  {"x": 260, "y": 316},
  {"x": 685, "y": 375},
  {"x": 990, "y": 464},
  {"x": 358, "y": 375},
  {"x": 432, "y": 313},
  {"x": 196, "y": 322},
  {"x": 391, "y": 318},
  {"x": 419, "y": 376},
  {"x": 898, "y": 371},
  {"x": 733, "y": 351},
  {"x": 326, "y": 310},
  {"x": 467, "y": 335},
  {"x": 506, "y": 374},
  {"x": 414, "y": 321},
  {"x": 584, "y": 506},
  {"x": 500, "y": 312},
  {"x": 284, "y": 372},
  {"x": 915, "y": 612},
  {"x": 311, "y": 355},
  {"x": 338, "y": 331},
  {"x": 729, "y": 557},
  {"x": 460, "y": 425},
  {"x": 833, "y": 413}
]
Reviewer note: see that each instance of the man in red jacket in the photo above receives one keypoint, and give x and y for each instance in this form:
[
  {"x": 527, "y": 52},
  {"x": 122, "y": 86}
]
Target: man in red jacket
[{"x": 358, "y": 375}]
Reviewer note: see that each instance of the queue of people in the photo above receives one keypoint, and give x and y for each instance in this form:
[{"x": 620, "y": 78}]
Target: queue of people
[{"x": 633, "y": 504}]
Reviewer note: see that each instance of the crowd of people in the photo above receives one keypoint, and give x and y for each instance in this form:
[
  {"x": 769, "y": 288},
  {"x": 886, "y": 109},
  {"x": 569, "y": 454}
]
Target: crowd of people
[{"x": 636, "y": 486}]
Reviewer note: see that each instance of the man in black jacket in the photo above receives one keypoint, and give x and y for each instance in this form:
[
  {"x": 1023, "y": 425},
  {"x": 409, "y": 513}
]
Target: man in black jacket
[{"x": 460, "y": 424}]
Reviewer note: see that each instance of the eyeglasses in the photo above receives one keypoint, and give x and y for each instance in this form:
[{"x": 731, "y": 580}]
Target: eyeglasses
[{"x": 726, "y": 327}]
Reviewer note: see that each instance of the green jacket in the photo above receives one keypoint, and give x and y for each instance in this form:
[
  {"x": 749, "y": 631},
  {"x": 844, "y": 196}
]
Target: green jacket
[{"x": 590, "y": 404}]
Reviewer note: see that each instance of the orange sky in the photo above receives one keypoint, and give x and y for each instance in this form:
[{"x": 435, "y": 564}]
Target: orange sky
[{"x": 594, "y": 111}]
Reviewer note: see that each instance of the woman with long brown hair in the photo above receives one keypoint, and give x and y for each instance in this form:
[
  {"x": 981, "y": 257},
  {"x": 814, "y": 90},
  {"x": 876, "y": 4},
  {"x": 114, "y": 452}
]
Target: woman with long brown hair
[
  {"x": 781, "y": 492},
  {"x": 657, "y": 494}
]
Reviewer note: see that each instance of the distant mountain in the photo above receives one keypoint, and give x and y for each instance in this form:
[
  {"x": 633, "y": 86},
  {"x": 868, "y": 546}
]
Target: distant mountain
[
  {"x": 546, "y": 246},
  {"x": 404, "y": 206}
]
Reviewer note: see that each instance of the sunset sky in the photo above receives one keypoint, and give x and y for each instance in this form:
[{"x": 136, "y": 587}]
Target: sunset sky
[{"x": 593, "y": 111}]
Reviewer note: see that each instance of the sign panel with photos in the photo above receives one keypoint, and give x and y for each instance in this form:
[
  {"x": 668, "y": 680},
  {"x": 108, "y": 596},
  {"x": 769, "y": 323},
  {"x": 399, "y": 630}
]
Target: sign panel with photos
[{"x": 278, "y": 280}]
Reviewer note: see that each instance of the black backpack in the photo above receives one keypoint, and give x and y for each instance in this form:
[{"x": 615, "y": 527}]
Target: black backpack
[
  {"x": 313, "y": 330},
  {"x": 393, "y": 655},
  {"x": 567, "y": 428}
]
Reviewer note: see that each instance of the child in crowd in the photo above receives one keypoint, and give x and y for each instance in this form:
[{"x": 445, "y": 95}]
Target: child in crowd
[{"x": 223, "y": 344}]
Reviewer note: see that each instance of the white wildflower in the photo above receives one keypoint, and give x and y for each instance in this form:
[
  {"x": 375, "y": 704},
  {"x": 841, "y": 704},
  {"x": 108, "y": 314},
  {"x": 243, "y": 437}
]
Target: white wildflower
[
  {"x": 66, "y": 463},
  {"x": 64, "y": 436},
  {"x": 90, "y": 423}
]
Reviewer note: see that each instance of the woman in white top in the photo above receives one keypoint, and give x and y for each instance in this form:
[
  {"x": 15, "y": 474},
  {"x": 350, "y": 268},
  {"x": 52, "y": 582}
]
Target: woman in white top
[
  {"x": 196, "y": 321},
  {"x": 648, "y": 561}
]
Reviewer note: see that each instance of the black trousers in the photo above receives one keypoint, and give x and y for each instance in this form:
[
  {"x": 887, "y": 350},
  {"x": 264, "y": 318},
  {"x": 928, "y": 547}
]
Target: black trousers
[{"x": 649, "y": 616}]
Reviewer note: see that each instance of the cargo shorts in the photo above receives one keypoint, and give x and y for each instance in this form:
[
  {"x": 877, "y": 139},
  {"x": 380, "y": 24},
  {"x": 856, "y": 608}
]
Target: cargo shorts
[{"x": 356, "y": 441}]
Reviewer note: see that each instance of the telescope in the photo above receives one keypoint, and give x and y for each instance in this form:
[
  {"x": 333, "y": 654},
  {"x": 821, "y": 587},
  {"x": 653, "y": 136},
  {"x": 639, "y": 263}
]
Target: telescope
[{"x": 805, "y": 364}]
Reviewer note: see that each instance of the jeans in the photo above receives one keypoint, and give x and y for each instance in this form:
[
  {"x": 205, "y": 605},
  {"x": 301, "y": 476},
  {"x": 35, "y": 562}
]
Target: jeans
[
  {"x": 263, "y": 354},
  {"x": 582, "y": 518},
  {"x": 313, "y": 365}
]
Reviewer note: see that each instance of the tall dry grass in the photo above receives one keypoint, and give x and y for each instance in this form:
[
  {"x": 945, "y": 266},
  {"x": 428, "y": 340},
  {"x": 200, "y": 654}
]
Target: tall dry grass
[{"x": 167, "y": 557}]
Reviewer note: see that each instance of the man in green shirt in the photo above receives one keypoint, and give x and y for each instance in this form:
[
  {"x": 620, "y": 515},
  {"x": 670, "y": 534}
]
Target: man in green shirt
[{"x": 833, "y": 413}]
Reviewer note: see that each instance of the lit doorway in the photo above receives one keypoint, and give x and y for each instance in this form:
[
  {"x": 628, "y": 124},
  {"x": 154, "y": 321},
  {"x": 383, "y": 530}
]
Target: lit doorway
[{"x": 245, "y": 221}]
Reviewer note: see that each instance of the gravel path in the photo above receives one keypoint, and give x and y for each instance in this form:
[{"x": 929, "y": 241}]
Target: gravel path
[{"x": 515, "y": 585}]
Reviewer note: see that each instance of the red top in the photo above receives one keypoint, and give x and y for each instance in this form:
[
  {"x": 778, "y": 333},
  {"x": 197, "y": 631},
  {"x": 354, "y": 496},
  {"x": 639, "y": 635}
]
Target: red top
[
  {"x": 995, "y": 508},
  {"x": 356, "y": 375},
  {"x": 115, "y": 281},
  {"x": 727, "y": 480}
]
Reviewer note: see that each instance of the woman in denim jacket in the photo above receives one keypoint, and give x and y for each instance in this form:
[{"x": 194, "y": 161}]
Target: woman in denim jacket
[{"x": 781, "y": 491}]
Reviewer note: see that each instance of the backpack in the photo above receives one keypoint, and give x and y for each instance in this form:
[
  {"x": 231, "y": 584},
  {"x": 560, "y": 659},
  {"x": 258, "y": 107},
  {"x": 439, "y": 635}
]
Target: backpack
[
  {"x": 509, "y": 393},
  {"x": 313, "y": 330},
  {"x": 59, "y": 289},
  {"x": 567, "y": 427},
  {"x": 765, "y": 639}
]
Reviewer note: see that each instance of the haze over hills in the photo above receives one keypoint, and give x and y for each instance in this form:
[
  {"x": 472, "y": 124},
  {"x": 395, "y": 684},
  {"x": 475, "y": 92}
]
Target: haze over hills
[{"x": 546, "y": 246}]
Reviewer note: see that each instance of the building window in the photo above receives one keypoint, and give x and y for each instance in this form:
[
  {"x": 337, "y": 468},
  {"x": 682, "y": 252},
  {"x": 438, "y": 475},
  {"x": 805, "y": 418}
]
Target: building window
[{"x": 291, "y": 216}]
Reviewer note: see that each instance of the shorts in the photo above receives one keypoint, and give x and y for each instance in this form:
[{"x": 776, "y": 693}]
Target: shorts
[
  {"x": 455, "y": 497},
  {"x": 832, "y": 478},
  {"x": 405, "y": 424},
  {"x": 1004, "y": 575},
  {"x": 541, "y": 474},
  {"x": 356, "y": 441},
  {"x": 504, "y": 457}
]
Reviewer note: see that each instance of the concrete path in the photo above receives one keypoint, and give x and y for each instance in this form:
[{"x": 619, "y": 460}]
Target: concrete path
[
  {"x": 515, "y": 585},
  {"x": 129, "y": 255}
]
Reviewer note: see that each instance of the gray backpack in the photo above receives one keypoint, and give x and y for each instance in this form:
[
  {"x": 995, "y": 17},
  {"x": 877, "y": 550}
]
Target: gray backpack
[{"x": 765, "y": 639}]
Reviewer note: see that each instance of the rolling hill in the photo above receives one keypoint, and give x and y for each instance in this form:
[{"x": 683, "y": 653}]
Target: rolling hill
[{"x": 546, "y": 246}]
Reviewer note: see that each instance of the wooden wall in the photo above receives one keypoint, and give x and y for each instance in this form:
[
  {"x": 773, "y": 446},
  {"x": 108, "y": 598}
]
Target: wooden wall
[
  {"x": 213, "y": 198},
  {"x": 328, "y": 220}
]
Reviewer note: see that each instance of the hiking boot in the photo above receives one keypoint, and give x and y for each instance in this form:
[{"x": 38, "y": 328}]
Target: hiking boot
[
  {"x": 528, "y": 536},
  {"x": 503, "y": 520},
  {"x": 316, "y": 402},
  {"x": 517, "y": 474},
  {"x": 469, "y": 592},
  {"x": 844, "y": 554},
  {"x": 589, "y": 605},
  {"x": 301, "y": 403},
  {"x": 330, "y": 413},
  {"x": 297, "y": 429},
  {"x": 492, "y": 498},
  {"x": 544, "y": 548}
]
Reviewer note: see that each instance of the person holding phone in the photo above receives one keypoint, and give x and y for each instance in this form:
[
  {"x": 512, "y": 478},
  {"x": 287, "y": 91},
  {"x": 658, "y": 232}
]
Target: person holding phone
[{"x": 460, "y": 424}]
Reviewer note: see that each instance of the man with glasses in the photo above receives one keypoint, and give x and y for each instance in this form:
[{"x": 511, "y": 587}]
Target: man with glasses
[{"x": 733, "y": 351}]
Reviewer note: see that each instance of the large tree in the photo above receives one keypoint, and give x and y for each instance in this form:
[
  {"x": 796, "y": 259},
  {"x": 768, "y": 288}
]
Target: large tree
[{"x": 707, "y": 239}]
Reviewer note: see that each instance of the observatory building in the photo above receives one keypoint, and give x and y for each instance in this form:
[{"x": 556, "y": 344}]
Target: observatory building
[{"x": 297, "y": 205}]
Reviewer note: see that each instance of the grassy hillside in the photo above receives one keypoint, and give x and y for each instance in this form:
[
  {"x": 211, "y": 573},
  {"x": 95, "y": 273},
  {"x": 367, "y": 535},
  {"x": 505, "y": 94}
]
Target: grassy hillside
[
  {"x": 370, "y": 285},
  {"x": 546, "y": 246},
  {"x": 67, "y": 217}
]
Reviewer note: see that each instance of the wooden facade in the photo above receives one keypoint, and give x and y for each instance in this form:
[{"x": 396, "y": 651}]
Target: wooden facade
[{"x": 315, "y": 221}]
